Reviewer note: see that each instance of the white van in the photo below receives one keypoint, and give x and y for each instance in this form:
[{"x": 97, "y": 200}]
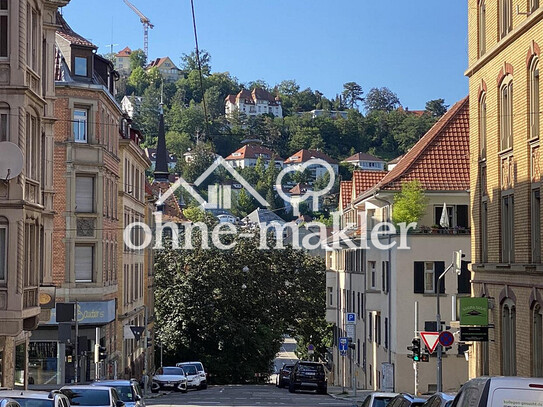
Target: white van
[{"x": 501, "y": 392}]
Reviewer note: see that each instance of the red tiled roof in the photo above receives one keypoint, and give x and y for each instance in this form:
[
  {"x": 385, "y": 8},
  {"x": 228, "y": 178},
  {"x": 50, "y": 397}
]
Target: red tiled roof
[
  {"x": 396, "y": 160},
  {"x": 345, "y": 193},
  {"x": 231, "y": 99},
  {"x": 305, "y": 155},
  {"x": 251, "y": 97},
  {"x": 363, "y": 157},
  {"x": 252, "y": 151},
  {"x": 299, "y": 189},
  {"x": 365, "y": 179},
  {"x": 172, "y": 210},
  {"x": 66, "y": 32},
  {"x": 440, "y": 159},
  {"x": 159, "y": 61},
  {"x": 124, "y": 52}
]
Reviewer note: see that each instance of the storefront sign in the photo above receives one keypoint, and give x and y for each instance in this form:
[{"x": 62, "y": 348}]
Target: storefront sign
[
  {"x": 474, "y": 333},
  {"x": 474, "y": 311},
  {"x": 90, "y": 313}
]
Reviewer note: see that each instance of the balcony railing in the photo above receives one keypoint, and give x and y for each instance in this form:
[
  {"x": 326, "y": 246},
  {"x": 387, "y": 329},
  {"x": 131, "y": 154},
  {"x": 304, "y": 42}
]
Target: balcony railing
[{"x": 441, "y": 231}]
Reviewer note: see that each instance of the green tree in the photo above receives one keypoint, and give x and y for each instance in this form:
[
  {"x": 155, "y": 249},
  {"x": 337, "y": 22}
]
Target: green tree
[
  {"x": 178, "y": 144},
  {"x": 306, "y": 137},
  {"x": 244, "y": 204},
  {"x": 202, "y": 158},
  {"x": 437, "y": 107},
  {"x": 137, "y": 59},
  {"x": 381, "y": 99},
  {"x": 147, "y": 116},
  {"x": 138, "y": 80},
  {"x": 410, "y": 203},
  {"x": 189, "y": 62},
  {"x": 154, "y": 77},
  {"x": 352, "y": 94}
]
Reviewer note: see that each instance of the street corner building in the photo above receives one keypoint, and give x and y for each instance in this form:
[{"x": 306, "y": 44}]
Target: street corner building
[
  {"x": 504, "y": 77},
  {"x": 382, "y": 287},
  {"x": 26, "y": 200}
]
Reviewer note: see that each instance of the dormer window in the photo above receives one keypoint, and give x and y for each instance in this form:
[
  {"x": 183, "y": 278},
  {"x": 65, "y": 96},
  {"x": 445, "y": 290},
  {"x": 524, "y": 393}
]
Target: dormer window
[{"x": 80, "y": 64}]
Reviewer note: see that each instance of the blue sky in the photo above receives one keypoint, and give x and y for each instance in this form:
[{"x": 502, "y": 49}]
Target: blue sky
[{"x": 417, "y": 48}]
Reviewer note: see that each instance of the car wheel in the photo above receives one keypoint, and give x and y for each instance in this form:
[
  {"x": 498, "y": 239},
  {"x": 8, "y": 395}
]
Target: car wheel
[
  {"x": 291, "y": 388},
  {"x": 154, "y": 390},
  {"x": 323, "y": 390},
  {"x": 203, "y": 386}
]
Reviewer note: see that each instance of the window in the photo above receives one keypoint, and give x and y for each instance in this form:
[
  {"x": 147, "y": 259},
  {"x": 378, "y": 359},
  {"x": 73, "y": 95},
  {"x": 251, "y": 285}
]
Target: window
[
  {"x": 534, "y": 99},
  {"x": 534, "y": 5},
  {"x": 536, "y": 226},
  {"x": 506, "y": 17},
  {"x": 3, "y": 251},
  {"x": 372, "y": 274},
  {"x": 537, "y": 341},
  {"x": 506, "y": 116},
  {"x": 4, "y": 124},
  {"x": 464, "y": 279},
  {"x": 429, "y": 277},
  {"x": 4, "y": 29},
  {"x": 84, "y": 194},
  {"x": 370, "y": 327},
  {"x": 423, "y": 272},
  {"x": 32, "y": 147},
  {"x": 457, "y": 214},
  {"x": 330, "y": 296},
  {"x": 385, "y": 276},
  {"x": 84, "y": 262},
  {"x": 32, "y": 39},
  {"x": 509, "y": 367},
  {"x": 378, "y": 328},
  {"x": 482, "y": 127},
  {"x": 80, "y": 125},
  {"x": 386, "y": 333},
  {"x": 482, "y": 27},
  {"x": 484, "y": 232},
  {"x": 508, "y": 226},
  {"x": 80, "y": 68}
]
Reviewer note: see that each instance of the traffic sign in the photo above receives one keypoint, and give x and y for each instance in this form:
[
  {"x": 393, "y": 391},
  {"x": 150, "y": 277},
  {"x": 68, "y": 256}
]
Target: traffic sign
[
  {"x": 343, "y": 344},
  {"x": 350, "y": 331},
  {"x": 310, "y": 349},
  {"x": 430, "y": 339},
  {"x": 342, "y": 353},
  {"x": 446, "y": 338},
  {"x": 351, "y": 318}
]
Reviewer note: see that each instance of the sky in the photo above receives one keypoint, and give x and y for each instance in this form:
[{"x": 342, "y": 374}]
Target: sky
[{"x": 416, "y": 48}]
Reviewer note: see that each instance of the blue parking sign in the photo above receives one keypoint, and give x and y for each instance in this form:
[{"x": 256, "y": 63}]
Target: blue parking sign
[
  {"x": 351, "y": 318},
  {"x": 343, "y": 344}
]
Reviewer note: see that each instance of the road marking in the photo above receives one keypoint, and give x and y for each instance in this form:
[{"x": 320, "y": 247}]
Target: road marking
[{"x": 221, "y": 390}]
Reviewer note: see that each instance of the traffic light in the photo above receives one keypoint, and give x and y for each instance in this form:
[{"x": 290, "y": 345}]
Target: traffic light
[
  {"x": 415, "y": 349},
  {"x": 149, "y": 342},
  {"x": 100, "y": 353},
  {"x": 424, "y": 357},
  {"x": 352, "y": 345}
]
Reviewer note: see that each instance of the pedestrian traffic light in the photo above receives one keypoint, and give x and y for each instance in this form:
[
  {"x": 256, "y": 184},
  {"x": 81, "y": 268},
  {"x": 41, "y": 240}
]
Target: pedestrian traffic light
[
  {"x": 100, "y": 353},
  {"x": 415, "y": 349},
  {"x": 424, "y": 357},
  {"x": 352, "y": 345},
  {"x": 149, "y": 342}
]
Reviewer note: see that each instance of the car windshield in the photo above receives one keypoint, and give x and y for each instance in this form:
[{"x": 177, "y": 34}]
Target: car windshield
[
  {"x": 199, "y": 367},
  {"x": 311, "y": 368},
  {"x": 24, "y": 402},
  {"x": 190, "y": 369},
  {"x": 89, "y": 397},
  {"x": 381, "y": 401},
  {"x": 125, "y": 393},
  {"x": 173, "y": 371}
]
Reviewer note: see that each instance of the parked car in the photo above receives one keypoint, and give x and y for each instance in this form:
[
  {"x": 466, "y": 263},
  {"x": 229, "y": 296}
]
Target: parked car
[
  {"x": 30, "y": 398},
  {"x": 407, "y": 400},
  {"x": 308, "y": 375},
  {"x": 378, "y": 399},
  {"x": 200, "y": 368},
  {"x": 169, "y": 378},
  {"x": 194, "y": 379},
  {"x": 129, "y": 391},
  {"x": 440, "y": 400},
  {"x": 500, "y": 392},
  {"x": 283, "y": 377},
  {"x": 92, "y": 396}
]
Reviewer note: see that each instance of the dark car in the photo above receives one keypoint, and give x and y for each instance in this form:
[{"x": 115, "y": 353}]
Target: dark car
[
  {"x": 283, "y": 377},
  {"x": 440, "y": 400},
  {"x": 406, "y": 400},
  {"x": 308, "y": 375}
]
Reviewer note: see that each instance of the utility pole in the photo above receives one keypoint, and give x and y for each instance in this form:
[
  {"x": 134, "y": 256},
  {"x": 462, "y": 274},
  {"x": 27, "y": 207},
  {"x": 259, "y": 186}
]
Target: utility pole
[
  {"x": 146, "y": 362},
  {"x": 415, "y": 364},
  {"x": 76, "y": 309}
]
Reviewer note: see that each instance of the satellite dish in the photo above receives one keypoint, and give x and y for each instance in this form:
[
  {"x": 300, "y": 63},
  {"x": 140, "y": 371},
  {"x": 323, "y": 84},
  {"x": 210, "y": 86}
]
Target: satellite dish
[{"x": 11, "y": 160}]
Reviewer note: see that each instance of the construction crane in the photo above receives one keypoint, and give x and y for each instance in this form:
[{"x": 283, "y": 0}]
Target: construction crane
[{"x": 146, "y": 25}]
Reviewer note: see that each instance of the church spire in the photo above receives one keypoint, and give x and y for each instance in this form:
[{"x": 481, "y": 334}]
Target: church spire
[{"x": 161, "y": 167}]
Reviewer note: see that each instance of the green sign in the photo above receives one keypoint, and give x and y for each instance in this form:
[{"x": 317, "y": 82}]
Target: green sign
[{"x": 474, "y": 311}]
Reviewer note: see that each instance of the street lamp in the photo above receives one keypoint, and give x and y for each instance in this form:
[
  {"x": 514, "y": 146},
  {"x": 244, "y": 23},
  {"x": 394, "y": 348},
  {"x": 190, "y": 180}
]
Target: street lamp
[{"x": 457, "y": 265}]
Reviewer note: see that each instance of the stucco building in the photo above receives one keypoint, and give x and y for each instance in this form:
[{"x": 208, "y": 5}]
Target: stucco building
[
  {"x": 504, "y": 52},
  {"x": 26, "y": 201},
  {"x": 253, "y": 103}
]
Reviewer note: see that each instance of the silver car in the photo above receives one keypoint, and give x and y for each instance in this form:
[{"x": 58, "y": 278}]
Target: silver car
[
  {"x": 129, "y": 391},
  {"x": 92, "y": 396},
  {"x": 31, "y": 398}
]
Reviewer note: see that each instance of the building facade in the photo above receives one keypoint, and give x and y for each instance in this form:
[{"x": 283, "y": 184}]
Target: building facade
[
  {"x": 381, "y": 285},
  {"x": 122, "y": 61},
  {"x": 504, "y": 50},
  {"x": 253, "y": 103},
  {"x": 248, "y": 155},
  {"x": 166, "y": 67},
  {"x": 26, "y": 201}
]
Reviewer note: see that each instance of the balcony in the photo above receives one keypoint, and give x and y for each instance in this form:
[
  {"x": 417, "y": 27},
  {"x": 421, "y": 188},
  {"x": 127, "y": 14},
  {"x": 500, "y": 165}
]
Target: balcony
[
  {"x": 427, "y": 230},
  {"x": 30, "y": 297}
]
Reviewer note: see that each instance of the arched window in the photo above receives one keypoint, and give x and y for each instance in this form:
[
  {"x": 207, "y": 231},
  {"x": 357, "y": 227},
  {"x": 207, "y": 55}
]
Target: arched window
[
  {"x": 508, "y": 339},
  {"x": 537, "y": 341},
  {"x": 482, "y": 27},
  {"x": 534, "y": 98},
  {"x": 506, "y": 114},
  {"x": 482, "y": 126},
  {"x": 506, "y": 17}
]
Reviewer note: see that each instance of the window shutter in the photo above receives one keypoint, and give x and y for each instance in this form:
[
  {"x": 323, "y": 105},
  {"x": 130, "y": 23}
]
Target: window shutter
[
  {"x": 464, "y": 286},
  {"x": 83, "y": 263},
  {"x": 439, "y": 267},
  {"x": 84, "y": 194},
  {"x": 419, "y": 278}
]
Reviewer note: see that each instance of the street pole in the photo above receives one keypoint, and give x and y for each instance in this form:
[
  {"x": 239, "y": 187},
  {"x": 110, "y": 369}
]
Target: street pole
[
  {"x": 97, "y": 358},
  {"x": 146, "y": 362},
  {"x": 76, "y": 343},
  {"x": 438, "y": 329},
  {"x": 352, "y": 362},
  {"x": 415, "y": 364}
]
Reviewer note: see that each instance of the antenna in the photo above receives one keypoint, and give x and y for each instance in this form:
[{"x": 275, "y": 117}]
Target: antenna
[
  {"x": 111, "y": 47},
  {"x": 11, "y": 160}
]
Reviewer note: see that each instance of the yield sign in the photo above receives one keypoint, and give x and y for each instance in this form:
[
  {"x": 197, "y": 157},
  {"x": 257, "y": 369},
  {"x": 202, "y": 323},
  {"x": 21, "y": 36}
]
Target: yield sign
[{"x": 431, "y": 339}]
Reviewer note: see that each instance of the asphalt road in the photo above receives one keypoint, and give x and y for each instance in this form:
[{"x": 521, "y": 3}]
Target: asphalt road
[{"x": 246, "y": 396}]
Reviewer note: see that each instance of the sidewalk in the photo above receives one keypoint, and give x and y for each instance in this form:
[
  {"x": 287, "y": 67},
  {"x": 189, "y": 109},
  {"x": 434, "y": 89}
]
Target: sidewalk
[{"x": 337, "y": 393}]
